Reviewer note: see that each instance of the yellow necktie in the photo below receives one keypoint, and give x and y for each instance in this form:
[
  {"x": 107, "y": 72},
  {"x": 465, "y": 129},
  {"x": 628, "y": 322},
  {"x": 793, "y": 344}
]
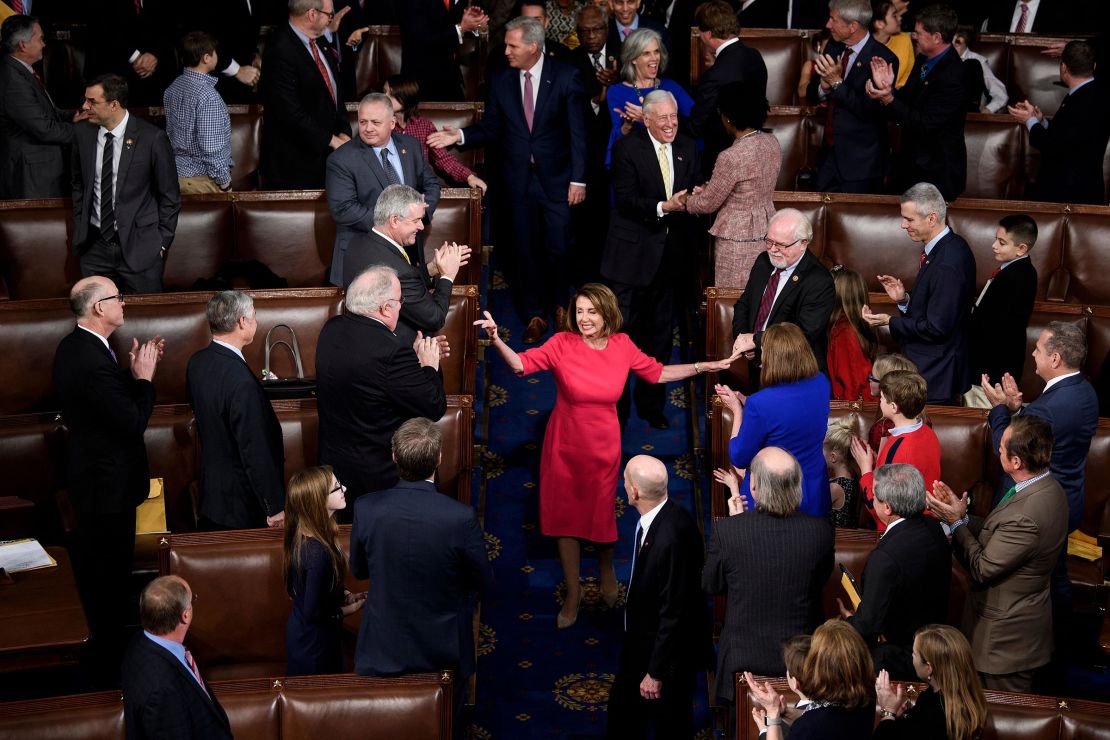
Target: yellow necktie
[
  {"x": 405, "y": 254},
  {"x": 665, "y": 168}
]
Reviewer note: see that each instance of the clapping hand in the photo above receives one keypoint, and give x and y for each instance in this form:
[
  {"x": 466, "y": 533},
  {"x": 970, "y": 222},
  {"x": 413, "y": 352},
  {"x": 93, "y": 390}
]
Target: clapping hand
[
  {"x": 881, "y": 85},
  {"x": 945, "y": 504},
  {"x": 890, "y": 698},
  {"x": 771, "y": 703},
  {"x": 732, "y": 400},
  {"x": 828, "y": 69},
  {"x": 430, "y": 349},
  {"x": 488, "y": 325},
  {"x": 145, "y": 358},
  {"x": 730, "y": 478},
  {"x": 893, "y": 287},
  {"x": 872, "y": 318},
  {"x": 863, "y": 455},
  {"x": 1024, "y": 110},
  {"x": 473, "y": 19}
]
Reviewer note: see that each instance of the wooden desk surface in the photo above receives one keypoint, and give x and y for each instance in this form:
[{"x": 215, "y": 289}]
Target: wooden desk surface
[{"x": 42, "y": 622}]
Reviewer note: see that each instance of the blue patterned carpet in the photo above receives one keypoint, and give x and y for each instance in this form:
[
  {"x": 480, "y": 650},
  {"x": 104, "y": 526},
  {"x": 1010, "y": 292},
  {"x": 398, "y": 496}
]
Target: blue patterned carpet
[{"x": 535, "y": 681}]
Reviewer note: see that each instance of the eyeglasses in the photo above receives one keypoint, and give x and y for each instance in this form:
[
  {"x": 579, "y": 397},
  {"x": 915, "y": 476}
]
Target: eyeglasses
[
  {"x": 871, "y": 378},
  {"x": 399, "y": 301},
  {"x": 117, "y": 297},
  {"x": 772, "y": 243},
  {"x": 328, "y": 13},
  {"x": 338, "y": 487}
]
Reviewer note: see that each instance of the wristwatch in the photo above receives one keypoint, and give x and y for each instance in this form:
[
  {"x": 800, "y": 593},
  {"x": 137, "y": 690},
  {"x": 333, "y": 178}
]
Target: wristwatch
[
  {"x": 838, "y": 83},
  {"x": 887, "y": 714},
  {"x": 771, "y": 721}
]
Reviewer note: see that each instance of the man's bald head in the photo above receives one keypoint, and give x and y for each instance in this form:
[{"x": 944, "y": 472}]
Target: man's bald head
[
  {"x": 776, "y": 482},
  {"x": 163, "y": 603},
  {"x": 87, "y": 291},
  {"x": 648, "y": 476}
]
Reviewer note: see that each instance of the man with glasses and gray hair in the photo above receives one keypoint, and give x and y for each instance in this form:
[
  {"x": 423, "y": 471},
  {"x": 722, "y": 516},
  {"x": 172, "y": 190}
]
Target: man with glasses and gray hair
[
  {"x": 905, "y": 582},
  {"x": 787, "y": 284},
  {"x": 105, "y": 409},
  {"x": 242, "y": 460},
  {"x": 369, "y": 381}
]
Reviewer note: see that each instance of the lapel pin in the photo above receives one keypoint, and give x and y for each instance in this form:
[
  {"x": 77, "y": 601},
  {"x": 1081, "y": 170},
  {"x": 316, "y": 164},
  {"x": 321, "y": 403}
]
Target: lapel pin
[
  {"x": 678, "y": 158},
  {"x": 794, "y": 278},
  {"x": 404, "y": 152},
  {"x": 129, "y": 143}
]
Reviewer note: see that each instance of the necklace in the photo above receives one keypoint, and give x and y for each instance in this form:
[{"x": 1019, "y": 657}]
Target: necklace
[
  {"x": 753, "y": 131},
  {"x": 639, "y": 92}
]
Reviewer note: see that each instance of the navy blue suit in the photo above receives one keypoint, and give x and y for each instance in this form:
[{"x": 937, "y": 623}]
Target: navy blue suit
[
  {"x": 539, "y": 166},
  {"x": 735, "y": 63},
  {"x": 856, "y": 161},
  {"x": 933, "y": 330}
]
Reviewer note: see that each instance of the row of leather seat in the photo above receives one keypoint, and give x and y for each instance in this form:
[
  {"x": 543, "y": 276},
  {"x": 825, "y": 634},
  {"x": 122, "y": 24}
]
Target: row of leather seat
[
  {"x": 1009, "y": 716},
  {"x": 31, "y": 331},
  {"x": 415, "y": 707},
  {"x": 290, "y": 232}
]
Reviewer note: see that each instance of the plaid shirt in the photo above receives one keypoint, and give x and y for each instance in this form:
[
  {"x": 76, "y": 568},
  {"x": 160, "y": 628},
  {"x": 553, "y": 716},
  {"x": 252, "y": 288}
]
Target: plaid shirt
[
  {"x": 199, "y": 127},
  {"x": 442, "y": 161}
]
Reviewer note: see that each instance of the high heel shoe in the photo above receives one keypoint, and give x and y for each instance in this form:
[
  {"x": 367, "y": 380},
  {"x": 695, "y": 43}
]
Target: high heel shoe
[
  {"x": 610, "y": 597},
  {"x": 562, "y": 622}
]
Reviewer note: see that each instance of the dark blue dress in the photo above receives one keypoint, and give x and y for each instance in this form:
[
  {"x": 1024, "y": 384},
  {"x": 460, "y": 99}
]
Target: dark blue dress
[{"x": 315, "y": 627}]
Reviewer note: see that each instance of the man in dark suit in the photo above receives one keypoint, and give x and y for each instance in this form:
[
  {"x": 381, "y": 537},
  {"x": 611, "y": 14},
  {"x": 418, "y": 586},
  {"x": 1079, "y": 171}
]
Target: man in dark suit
[
  {"x": 368, "y": 382},
  {"x": 361, "y": 169},
  {"x": 783, "y": 13},
  {"x": 431, "y": 39},
  {"x": 930, "y": 107},
  {"x": 126, "y": 237},
  {"x": 242, "y": 461},
  {"x": 786, "y": 284},
  {"x": 1073, "y": 146},
  {"x": 855, "y": 143},
  {"x": 33, "y": 131},
  {"x": 931, "y": 325},
  {"x": 398, "y": 218},
  {"x": 304, "y": 119},
  {"x": 106, "y": 409},
  {"x": 666, "y": 629},
  {"x": 543, "y": 139},
  {"x": 164, "y": 694},
  {"x": 419, "y": 612},
  {"x": 1000, "y": 316},
  {"x": 1033, "y": 16},
  {"x": 905, "y": 582},
  {"x": 624, "y": 18},
  {"x": 763, "y": 608},
  {"x": 551, "y": 49},
  {"x": 720, "y": 32},
  {"x": 134, "y": 40},
  {"x": 235, "y": 24},
  {"x": 649, "y": 237}
]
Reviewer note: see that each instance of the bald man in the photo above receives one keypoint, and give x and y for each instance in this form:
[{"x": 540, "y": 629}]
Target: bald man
[
  {"x": 106, "y": 409},
  {"x": 666, "y": 638}
]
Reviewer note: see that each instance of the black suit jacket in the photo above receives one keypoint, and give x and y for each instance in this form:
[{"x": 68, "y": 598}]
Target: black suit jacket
[
  {"x": 430, "y": 46},
  {"x": 807, "y": 300},
  {"x": 1053, "y": 16},
  {"x": 235, "y": 24},
  {"x": 933, "y": 331},
  {"x": 106, "y": 411},
  {"x": 1072, "y": 148},
  {"x": 613, "y": 44},
  {"x": 147, "y": 196},
  {"x": 121, "y": 29},
  {"x": 773, "y": 602},
  {"x": 637, "y": 236},
  {"x": 368, "y": 383},
  {"x": 735, "y": 63},
  {"x": 300, "y": 114},
  {"x": 931, "y": 113},
  {"x": 162, "y": 700},
  {"x": 598, "y": 123},
  {"x": 859, "y": 126},
  {"x": 667, "y": 625},
  {"x": 996, "y": 332},
  {"x": 422, "y": 311},
  {"x": 242, "y": 461},
  {"x": 425, "y": 556},
  {"x": 33, "y": 134},
  {"x": 905, "y": 587}
]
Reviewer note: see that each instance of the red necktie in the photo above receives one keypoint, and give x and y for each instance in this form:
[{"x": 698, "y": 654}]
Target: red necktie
[
  {"x": 529, "y": 104},
  {"x": 995, "y": 273},
  {"x": 321, "y": 67},
  {"x": 17, "y": 7},
  {"x": 1023, "y": 18},
  {"x": 921, "y": 262},
  {"x": 196, "y": 671},
  {"x": 767, "y": 301},
  {"x": 138, "y": 6},
  {"x": 447, "y": 4}
]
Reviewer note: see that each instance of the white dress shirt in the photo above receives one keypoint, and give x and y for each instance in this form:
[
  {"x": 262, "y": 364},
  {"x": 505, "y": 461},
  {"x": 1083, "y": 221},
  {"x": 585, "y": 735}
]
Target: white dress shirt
[{"x": 117, "y": 152}]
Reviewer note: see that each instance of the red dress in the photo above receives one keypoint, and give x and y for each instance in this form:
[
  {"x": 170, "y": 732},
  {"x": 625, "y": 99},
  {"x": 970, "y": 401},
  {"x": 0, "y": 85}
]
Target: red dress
[
  {"x": 848, "y": 365},
  {"x": 582, "y": 445}
]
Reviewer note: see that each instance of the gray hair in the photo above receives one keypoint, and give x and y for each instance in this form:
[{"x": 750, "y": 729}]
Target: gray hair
[
  {"x": 369, "y": 291},
  {"x": 634, "y": 45},
  {"x": 779, "y": 490},
  {"x": 225, "y": 309},
  {"x": 396, "y": 200},
  {"x": 590, "y": 7},
  {"x": 1069, "y": 341},
  {"x": 298, "y": 8},
  {"x": 926, "y": 199},
  {"x": 803, "y": 229},
  {"x": 655, "y": 97},
  {"x": 531, "y": 30},
  {"x": 901, "y": 486},
  {"x": 853, "y": 11},
  {"x": 376, "y": 97},
  {"x": 81, "y": 301},
  {"x": 17, "y": 29}
]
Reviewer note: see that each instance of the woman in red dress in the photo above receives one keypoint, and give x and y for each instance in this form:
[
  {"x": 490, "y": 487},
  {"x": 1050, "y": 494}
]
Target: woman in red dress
[
  {"x": 582, "y": 444},
  {"x": 852, "y": 341}
]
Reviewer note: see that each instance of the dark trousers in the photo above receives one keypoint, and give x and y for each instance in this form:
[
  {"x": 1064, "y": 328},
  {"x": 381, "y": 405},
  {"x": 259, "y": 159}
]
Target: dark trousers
[
  {"x": 630, "y": 715},
  {"x": 538, "y": 278},
  {"x": 105, "y": 551},
  {"x": 648, "y": 316},
  {"x": 830, "y": 180},
  {"x": 105, "y": 258}
]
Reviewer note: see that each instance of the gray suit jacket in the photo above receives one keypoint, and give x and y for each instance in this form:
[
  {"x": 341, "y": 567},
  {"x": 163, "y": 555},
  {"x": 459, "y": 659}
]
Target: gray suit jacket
[
  {"x": 32, "y": 133},
  {"x": 148, "y": 200},
  {"x": 1010, "y": 560},
  {"x": 355, "y": 179}
]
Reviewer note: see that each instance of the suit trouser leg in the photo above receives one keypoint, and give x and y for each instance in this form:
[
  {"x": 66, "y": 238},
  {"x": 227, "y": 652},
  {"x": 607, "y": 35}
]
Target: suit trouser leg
[
  {"x": 627, "y": 717},
  {"x": 830, "y": 180},
  {"x": 105, "y": 551},
  {"x": 555, "y": 244},
  {"x": 106, "y": 259}
]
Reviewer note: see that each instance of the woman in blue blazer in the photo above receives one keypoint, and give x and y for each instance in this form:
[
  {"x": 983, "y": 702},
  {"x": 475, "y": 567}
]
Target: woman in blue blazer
[{"x": 791, "y": 411}]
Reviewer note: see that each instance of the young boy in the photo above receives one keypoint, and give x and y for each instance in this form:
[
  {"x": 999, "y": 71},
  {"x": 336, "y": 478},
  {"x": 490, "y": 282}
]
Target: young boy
[
  {"x": 991, "y": 96},
  {"x": 1001, "y": 313},
  {"x": 911, "y": 441}
]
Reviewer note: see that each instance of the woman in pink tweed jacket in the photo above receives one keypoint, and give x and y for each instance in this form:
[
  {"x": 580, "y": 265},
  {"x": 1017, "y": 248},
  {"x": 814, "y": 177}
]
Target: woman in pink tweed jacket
[{"x": 742, "y": 185}]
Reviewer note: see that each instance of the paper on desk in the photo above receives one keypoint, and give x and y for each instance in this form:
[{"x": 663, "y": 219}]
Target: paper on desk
[{"x": 21, "y": 555}]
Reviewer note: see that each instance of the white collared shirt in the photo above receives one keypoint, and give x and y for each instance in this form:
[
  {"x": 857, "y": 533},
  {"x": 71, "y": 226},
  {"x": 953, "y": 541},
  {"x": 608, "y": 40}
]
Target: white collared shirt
[
  {"x": 404, "y": 254},
  {"x": 231, "y": 347},
  {"x": 1032, "y": 13},
  {"x": 117, "y": 152},
  {"x": 891, "y": 526},
  {"x": 1056, "y": 380},
  {"x": 648, "y": 518},
  {"x": 103, "y": 339},
  {"x": 725, "y": 45},
  {"x": 784, "y": 277}
]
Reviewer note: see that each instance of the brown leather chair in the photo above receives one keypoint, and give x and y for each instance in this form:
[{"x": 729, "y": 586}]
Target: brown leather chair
[
  {"x": 995, "y": 156},
  {"x": 246, "y": 143},
  {"x": 1084, "y": 256},
  {"x": 35, "y": 257},
  {"x": 458, "y": 218},
  {"x": 1033, "y": 76},
  {"x": 203, "y": 243},
  {"x": 380, "y": 57},
  {"x": 416, "y": 707},
  {"x": 783, "y": 54},
  {"x": 791, "y": 126},
  {"x": 291, "y": 232}
]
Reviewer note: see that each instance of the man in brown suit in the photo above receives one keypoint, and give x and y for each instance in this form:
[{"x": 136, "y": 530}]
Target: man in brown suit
[{"x": 1011, "y": 558}]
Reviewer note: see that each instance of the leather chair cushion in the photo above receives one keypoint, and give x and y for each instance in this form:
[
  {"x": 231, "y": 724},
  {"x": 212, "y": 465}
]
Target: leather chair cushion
[
  {"x": 791, "y": 128},
  {"x": 202, "y": 244},
  {"x": 1084, "y": 259},
  {"x": 35, "y": 255},
  {"x": 406, "y": 711},
  {"x": 292, "y": 234},
  {"x": 994, "y": 157},
  {"x": 782, "y": 53},
  {"x": 246, "y": 142}
]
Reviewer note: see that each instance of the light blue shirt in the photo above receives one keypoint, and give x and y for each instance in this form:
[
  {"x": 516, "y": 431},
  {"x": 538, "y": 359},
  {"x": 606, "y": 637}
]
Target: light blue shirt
[
  {"x": 906, "y": 429},
  {"x": 231, "y": 347},
  {"x": 177, "y": 650},
  {"x": 394, "y": 158},
  {"x": 631, "y": 27}
]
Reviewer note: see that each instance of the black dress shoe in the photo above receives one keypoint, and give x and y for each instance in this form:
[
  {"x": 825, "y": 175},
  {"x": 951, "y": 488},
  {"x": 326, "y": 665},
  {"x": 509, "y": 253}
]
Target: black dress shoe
[
  {"x": 537, "y": 327},
  {"x": 657, "y": 421}
]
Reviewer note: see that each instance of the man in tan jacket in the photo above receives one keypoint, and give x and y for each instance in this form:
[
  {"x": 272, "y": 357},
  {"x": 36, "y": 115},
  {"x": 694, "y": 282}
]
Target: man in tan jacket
[{"x": 1010, "y": 558}]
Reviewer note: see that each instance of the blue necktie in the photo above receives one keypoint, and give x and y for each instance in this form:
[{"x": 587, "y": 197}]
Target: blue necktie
[{"x": 632, "y": 574}]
